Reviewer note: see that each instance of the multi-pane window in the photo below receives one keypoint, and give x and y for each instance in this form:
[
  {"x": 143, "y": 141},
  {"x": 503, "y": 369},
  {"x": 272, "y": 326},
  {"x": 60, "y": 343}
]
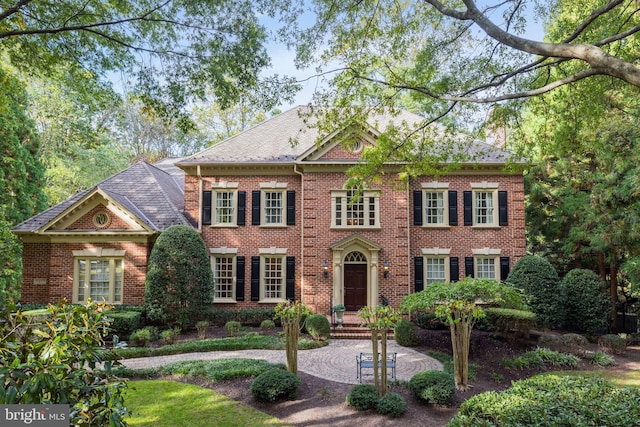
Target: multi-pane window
[
  {"x": 434, "y": 207},
  {"x": 485, "y": 268},
  {"x": 223, "y": 275},
  {"x": 273, "y": 277},
  {"x": 484, "y": 207},
  {"x": 225, "y": 207},
  {"x": 351, "y": 209},
  {"x": 436, "y": 270},
  {"x": 273, "y": 207},
  {"x": 99, "y": 279}
]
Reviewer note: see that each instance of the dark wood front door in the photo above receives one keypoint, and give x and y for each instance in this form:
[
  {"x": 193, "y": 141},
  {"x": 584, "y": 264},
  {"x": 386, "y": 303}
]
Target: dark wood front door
[{"x": 355, "y": 286}]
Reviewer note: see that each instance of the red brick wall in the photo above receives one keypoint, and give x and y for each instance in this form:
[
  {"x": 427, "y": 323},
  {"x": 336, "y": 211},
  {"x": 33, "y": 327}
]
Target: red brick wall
[{"x": 59, "y": 270}]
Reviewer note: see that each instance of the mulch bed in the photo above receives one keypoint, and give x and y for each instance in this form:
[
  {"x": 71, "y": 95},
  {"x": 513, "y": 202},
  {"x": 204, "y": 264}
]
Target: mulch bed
[{"x": 322, "y": 402}]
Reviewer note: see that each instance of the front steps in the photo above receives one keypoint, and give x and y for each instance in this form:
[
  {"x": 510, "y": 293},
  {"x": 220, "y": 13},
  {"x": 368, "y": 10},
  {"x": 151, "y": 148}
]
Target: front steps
[{"x": 351, "y": 328}]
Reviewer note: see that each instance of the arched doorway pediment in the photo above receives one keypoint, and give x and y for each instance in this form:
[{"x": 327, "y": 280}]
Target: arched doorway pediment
[{"x": 354, "y": 241}]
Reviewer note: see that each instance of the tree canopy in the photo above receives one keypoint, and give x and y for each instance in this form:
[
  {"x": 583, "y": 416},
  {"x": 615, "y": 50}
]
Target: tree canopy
[{"x": 174, "y": 50}]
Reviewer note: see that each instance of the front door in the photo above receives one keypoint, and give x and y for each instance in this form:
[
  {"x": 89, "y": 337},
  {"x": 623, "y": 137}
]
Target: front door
[{"x": 355, "y": 286}]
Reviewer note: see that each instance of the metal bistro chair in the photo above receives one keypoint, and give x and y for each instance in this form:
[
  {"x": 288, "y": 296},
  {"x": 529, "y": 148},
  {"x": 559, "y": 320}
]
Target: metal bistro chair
[{"x": 365, "y": 361}]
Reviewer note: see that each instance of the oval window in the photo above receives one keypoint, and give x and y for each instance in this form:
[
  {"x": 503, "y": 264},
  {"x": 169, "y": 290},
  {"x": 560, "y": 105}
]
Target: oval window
[{"x": 101, "y": 219}]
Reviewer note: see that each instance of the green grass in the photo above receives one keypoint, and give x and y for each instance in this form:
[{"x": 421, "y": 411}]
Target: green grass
[
  {"x": 171, "y": 404},
  {"x": 246, "y": 342}
]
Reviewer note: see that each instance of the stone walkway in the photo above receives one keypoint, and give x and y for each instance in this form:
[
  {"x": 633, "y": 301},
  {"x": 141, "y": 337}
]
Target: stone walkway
[{"x": 335, "y": 362}]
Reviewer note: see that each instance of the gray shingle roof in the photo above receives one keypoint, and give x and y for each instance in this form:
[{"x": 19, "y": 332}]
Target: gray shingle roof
[
  {"x": 147, "y": 192},
  {"x": 269, "y": 142}
]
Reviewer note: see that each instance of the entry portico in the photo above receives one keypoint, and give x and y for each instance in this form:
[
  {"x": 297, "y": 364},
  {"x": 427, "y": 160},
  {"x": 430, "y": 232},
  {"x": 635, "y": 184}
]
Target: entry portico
[{"x": 355, "y": 272}]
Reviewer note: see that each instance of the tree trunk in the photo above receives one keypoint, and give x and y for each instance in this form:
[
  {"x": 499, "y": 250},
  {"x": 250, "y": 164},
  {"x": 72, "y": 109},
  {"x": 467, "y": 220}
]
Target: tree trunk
[
  {"x": 383, "y": 363},
  {"x": 374, "y": 344},
  {"x": 292, "y": 333},
  {"x": 613, "y": 293},
  {"x": 460, "y": 336}
]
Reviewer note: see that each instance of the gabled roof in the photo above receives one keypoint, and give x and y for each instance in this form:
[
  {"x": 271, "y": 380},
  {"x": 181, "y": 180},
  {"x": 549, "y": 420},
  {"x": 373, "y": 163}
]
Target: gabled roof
[
  {"x": 149, "y": 194},
  {"x": 270, "y": 141}
]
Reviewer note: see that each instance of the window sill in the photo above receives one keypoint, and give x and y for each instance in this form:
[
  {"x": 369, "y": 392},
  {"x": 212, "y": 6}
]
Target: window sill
[
  {"x": 441, "y": 226},
  {"x": 271, "y": 301},
  {"x": 483, "y": 226},
  {"x": 224, "y": 301},
  {"x": 223, "y": 226},
  {"x": 273, "y": 226},
  {"x": 351, "y": 227}
]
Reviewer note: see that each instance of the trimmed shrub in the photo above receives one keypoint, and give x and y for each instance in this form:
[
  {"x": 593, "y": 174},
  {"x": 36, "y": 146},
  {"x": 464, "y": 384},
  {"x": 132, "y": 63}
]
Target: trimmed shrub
[
  {"x": 124, "y": 322},
  {"x": 202, "y": 327},
  {"x": 170, "y": 336},
  {"x": 392, "y": 404},
  {"x": 141, "y": 338},
  {"x": 547, "y": 400},
  {"x": 544, "y": 291},
  {"x": 267, "y": 324},
  {"x": 588, "y": 303},
  {"x": 252, "y": 317},
  {"x": 611, "y": 343},
  {"x": 405, "y": 333},
  {"x": 275, "y": 384},
  {"x": 179, "y": 283},
  {"x": 233, "y": 328},
  {"x": 363, "y": 397},
  {"x": 427, "y": 320},
  {"x": 433, "y": 386},
  {"x": 568, "y": 343},
  {"x": 509, "y": 320},
  {"x": 318, "y": 326}
]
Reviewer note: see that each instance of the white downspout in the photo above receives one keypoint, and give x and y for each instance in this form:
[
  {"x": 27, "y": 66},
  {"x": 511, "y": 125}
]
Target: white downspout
[{"x": 295, "y": 170}]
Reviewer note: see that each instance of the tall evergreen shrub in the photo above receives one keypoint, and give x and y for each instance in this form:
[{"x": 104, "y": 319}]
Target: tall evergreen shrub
[
  {"x": 587, "y": 303},
  {"x": 179, "y": 284},
  {"x": 544, "y": 290}
]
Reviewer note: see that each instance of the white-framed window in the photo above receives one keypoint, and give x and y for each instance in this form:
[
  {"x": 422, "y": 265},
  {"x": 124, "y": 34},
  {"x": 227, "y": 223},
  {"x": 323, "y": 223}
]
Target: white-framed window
[
  {"x": 436, "y": 265},
  {"x": 350, "y": 210},
  {"x": 486, "y": 263},
  {"x": 485, "y": 204},
  {"x": 225, "y": 204},
  {"x": 273, "y": 203},
  {"x": 98, "y": 278},
  {"x": 273, "y": 274},
  {"x": 436, "y": 204}
]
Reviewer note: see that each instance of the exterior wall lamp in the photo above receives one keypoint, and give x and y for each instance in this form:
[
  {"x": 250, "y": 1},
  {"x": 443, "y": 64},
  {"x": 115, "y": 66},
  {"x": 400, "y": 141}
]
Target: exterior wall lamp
[
  {"x": 325, "y": 269},
  {"x": 385, "y": 271}
]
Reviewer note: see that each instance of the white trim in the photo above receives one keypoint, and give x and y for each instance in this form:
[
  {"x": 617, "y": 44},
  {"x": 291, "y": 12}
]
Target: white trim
[
  {"x": 224, "y": 185},
  {"x": 486, "y": 252},
  {"x": 272, "y": 251},
  {"x": 436, "y": 251},
  {"x": 99, "y": 252},
  {"x": 228, "y": 253},
  {"x": 274, "y": 185},
  {"x": 223, "y": 251},
  {"x": 435, "y": 185},
  {"x": 484, "y": 185}
]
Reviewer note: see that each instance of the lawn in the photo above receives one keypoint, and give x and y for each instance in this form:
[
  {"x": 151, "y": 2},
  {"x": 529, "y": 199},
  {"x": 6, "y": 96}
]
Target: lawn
[{"x": 161, "y": 403}]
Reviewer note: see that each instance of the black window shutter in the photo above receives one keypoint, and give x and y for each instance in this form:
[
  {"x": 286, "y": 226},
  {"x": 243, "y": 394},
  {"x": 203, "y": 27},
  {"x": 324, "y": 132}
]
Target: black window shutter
[
  {"x": 291, "y": 278},
  {"x": 468, "y": 266},
  {"x": 418, "y": 266},
  {"x": 467, "y": 197},
  {"x": 504, "y": 268},
  {"x": 255, "y": 278},
  {"x": 240, "y": 278},
  {"x": 453, "y": 207},
  {"x": 454, "y": 269},
  {"x": 503, "y": 212},
  {"x": 242, "y": 207},
  {"x": 206, "y": 208},
  {"x": 255, "y": 207},
  {"x": 417, "y": 207},
  {"x": 291, "y": 207}
]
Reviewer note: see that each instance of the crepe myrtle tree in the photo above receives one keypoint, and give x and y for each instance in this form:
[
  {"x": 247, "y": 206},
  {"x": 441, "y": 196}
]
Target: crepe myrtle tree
[
  {"x": 379, "y": 320},
  {"x": 459, "y": 304},
  {"x": 291, "y": 315}
]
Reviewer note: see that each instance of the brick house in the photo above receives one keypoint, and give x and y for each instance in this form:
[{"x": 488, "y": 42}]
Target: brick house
[{"x": 279, "y": 224}]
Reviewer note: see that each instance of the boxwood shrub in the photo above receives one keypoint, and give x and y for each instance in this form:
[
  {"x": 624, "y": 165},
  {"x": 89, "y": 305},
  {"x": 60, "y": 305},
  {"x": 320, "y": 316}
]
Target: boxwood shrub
[
  {"x": 317, "y": 325},
  {"x": 363, "y": 397},
  {"x": 588, "y": 303},
  {"x": 508, "y": 320},
  {"x": 252, "y": 317},
  {"x": 433, "y": 386},
  {"x": 275, "y": 384},
  {"x": 405, "y": 333},
  {"x": 123, "y": 323},
  {"x": 392, "y": 404},
  {"x": 548, "y": 400}
]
